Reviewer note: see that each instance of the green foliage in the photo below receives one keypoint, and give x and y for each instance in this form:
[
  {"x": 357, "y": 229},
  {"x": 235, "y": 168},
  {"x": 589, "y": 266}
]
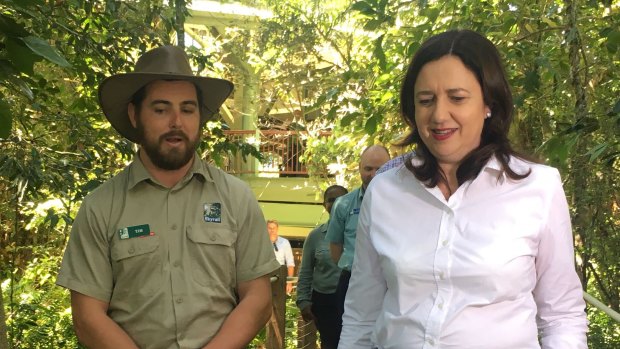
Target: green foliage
[
  {"x": 39, "y": 313},
  {"x": 603, "y": 332},
  {"x": 337, "y": 65}
]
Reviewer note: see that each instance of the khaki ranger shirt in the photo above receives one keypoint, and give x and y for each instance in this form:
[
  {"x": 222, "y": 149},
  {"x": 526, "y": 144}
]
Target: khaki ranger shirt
[{"x": 168, "y": 260}]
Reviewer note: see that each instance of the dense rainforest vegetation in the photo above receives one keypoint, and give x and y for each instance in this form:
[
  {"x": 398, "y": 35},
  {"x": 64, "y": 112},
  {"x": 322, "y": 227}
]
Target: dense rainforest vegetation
[{"x": 338, "y": 64}]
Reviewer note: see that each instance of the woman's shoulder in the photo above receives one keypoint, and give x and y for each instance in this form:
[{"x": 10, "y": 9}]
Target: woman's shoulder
[{"x": 537, "y": 171}]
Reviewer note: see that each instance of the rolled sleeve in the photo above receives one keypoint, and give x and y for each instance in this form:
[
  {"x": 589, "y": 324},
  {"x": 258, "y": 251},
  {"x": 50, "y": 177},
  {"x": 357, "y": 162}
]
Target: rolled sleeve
[{"x": 558, "y": 293}]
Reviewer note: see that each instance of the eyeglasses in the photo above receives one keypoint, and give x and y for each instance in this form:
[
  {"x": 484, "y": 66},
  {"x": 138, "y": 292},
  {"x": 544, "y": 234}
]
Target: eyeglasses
[{"x": 275, "y": 247}]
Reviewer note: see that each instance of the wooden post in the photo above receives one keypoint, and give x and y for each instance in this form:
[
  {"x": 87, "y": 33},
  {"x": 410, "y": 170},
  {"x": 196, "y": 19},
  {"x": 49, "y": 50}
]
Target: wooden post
[
  {"x": 306, "y": 334},
  {"x": 275, "y": 327}
]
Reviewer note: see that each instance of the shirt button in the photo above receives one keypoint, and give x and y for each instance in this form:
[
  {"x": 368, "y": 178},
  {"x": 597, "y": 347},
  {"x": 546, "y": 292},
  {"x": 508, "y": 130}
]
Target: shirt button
[
  {"x": 179, "y": 300},
  {"x": 173, "y": 227},
  {"x": 430, "y": 341},
  {"x": 131, "y": 250},
  {"x": 445, "y": 242},
  {"x": 441, "y": 276},
  {"x": 440, "y": 306},
  {"x": 176, "y": 264},
  {"x": 212, "y": 238}
]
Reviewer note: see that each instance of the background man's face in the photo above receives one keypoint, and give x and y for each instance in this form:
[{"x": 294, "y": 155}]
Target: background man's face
[
  {"x": 330, "y": 198},
  {"x": 169, "y": 123},
  {"x": 370, "y": 162},
  {"x": 272, "y": 229}
]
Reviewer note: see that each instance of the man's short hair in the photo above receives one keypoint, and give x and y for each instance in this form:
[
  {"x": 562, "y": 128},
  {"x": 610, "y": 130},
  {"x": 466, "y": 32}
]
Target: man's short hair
[{"x": 273, "y": 221}]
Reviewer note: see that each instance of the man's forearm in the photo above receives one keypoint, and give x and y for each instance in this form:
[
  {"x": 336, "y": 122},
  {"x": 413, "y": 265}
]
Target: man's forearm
[
  {"x": 103, "y": 333},
  {"x": 246, "y": 320},
  {"x": 335, "y": 251},
  {"x": 94, "y": 328}
]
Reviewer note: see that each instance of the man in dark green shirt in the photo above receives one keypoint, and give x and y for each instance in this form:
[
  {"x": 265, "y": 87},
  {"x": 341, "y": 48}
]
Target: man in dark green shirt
[{"x": 318, "y": 279}]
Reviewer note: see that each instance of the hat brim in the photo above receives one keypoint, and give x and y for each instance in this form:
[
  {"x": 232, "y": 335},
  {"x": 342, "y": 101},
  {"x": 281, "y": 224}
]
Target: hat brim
[{"x": 116, "y": 92}]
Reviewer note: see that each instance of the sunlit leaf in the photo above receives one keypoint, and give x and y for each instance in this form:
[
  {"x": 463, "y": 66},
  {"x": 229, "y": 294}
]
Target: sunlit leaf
[
  {"x": 364, "y": 8},
  {"x": 43, "y": 49},
  {"x": 371, "y": 125},
  {"x": 597, "y": 151}
]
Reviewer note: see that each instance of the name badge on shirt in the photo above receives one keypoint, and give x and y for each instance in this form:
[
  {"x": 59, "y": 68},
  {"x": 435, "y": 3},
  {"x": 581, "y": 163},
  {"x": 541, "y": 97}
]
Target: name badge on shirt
[
  {"x": 135, "y": 231},
  {"x": 355, "y": 211},
  {"x": 213, "y": 212}
]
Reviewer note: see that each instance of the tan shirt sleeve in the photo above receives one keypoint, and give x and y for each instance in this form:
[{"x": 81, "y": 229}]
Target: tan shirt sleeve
[
  {"x": 255, "y": 256},
  {"x": 86, "y": 265}
]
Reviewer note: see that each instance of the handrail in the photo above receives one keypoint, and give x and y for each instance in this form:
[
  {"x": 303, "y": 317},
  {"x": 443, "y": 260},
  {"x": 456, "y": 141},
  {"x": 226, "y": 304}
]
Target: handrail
[{"x": 602, "y": 307}]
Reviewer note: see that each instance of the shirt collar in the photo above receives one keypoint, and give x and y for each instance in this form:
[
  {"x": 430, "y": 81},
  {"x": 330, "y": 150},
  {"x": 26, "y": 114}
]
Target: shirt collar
[
  {"x": 494, "y": 167},
  {"x": 139, "y": 173},
  {"x": 360, "y": 194}
]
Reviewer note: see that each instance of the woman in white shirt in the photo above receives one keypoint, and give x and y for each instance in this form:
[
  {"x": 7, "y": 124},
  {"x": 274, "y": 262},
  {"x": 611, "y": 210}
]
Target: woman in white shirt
[{"x": 469, "y": 244}]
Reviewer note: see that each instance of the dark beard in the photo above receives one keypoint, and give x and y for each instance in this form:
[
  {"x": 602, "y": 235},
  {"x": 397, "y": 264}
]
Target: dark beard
[{"x": 174, "y": 159}]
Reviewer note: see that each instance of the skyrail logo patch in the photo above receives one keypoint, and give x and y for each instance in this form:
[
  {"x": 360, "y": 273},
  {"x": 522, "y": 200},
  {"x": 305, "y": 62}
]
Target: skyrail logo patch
[{"x": 213, "y": 212}]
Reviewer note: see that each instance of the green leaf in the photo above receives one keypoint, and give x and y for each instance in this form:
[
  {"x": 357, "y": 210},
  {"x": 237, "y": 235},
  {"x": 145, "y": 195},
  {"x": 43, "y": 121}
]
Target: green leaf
[
  {"x": 28, "y": 3},
  {"x": 597, "y": 151},
  {"x": 373, "y": 24},
  {"x": 613, "y": 41},
  {"x": 549, "y": 22},
  {"x": 616, "y": 108},
  {"x": 556, "y": 149},
  {"x": 21, "y": 56},
  {"x": 11, "y": 28},
  {"x": 379, "y": 53},
  {"x": 371, "y": 125},
  {"x": 43, "y": 49},
  {"x": 6, "y": 119},
  {"x": 432, "y": 14},
  {"x": 532, "y": 81},
  {"x": 348, "y": 119},
  {"x": 364, "y": 8}
]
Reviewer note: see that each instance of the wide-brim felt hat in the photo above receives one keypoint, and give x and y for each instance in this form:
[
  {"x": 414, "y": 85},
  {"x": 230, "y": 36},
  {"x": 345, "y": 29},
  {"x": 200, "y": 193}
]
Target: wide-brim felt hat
[{"x": 162, "y": 63}]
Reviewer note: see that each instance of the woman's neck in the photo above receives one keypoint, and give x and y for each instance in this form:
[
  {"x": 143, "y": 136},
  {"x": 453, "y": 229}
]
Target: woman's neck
[{"x": 450, "y": 183}]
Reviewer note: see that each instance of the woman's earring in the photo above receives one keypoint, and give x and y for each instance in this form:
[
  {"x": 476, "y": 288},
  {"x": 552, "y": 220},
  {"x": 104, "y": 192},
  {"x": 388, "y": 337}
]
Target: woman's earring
[{"x": 488, "y": 115}]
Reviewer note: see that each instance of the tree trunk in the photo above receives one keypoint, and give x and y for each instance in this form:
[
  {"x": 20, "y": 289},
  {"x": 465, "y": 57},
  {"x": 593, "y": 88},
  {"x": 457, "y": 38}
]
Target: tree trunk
[
  {"x": 179, "y": 7},
  {"x": 579, "y": 163}
]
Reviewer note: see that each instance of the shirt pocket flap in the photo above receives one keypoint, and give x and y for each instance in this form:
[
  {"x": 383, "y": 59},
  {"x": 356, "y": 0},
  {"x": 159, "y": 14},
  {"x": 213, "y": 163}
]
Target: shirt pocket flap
[
  {"x": 211, "y": 236},
  {"x": 123, "y": 249}
]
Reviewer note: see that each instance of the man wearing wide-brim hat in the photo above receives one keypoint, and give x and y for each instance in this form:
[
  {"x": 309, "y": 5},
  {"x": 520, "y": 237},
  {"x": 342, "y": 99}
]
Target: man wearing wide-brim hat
[{"x": 171, "y": 252}]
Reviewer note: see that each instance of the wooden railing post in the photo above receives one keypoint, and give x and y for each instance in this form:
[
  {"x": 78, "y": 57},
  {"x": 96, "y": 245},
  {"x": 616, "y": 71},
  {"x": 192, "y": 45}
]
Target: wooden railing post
[
  {"x": 306, "y": 334},
  {"x": 277, "y": 322}
]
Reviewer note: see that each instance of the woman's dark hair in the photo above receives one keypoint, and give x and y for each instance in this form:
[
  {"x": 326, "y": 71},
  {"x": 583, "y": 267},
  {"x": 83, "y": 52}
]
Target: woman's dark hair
[{"x": 480, "y": 56}]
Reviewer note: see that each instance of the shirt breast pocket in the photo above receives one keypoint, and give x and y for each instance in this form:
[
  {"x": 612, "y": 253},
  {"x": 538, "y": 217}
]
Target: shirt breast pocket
[
  {"x": 212, "y": 254},
  {"x": 136, "y": 265}
]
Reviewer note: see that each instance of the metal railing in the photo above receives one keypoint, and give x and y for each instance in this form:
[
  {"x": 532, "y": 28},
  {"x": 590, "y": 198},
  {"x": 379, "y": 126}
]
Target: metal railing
[
  {"x": 602, "y": 307},
  {"x": 282, "y": 151}
]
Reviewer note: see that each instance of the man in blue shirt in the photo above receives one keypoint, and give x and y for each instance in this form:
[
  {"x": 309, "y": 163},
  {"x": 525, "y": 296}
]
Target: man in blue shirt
[{"x": 343, "y": 220}]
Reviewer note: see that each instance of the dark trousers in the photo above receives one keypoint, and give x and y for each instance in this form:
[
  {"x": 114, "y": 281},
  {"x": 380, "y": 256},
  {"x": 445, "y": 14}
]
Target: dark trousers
[
  {"x": 341, "y": 292},
  {"x": 324, "y": 308}
]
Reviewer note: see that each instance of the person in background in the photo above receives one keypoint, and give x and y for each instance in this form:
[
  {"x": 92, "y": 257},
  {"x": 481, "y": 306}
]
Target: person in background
[
  {"x": 171, "y": 252},
  {"x": 471, "y": 246},
  {"x": 397, "y": 161},
  {"x": 283, "y": 251},
  {"x": 343, "y": 220},
  {"x": 318, "y": 279}
]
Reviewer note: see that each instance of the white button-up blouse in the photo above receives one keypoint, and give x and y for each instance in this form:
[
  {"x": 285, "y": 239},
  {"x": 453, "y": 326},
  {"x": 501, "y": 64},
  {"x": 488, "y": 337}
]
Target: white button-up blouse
[{"x": 490, "y": 268}]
